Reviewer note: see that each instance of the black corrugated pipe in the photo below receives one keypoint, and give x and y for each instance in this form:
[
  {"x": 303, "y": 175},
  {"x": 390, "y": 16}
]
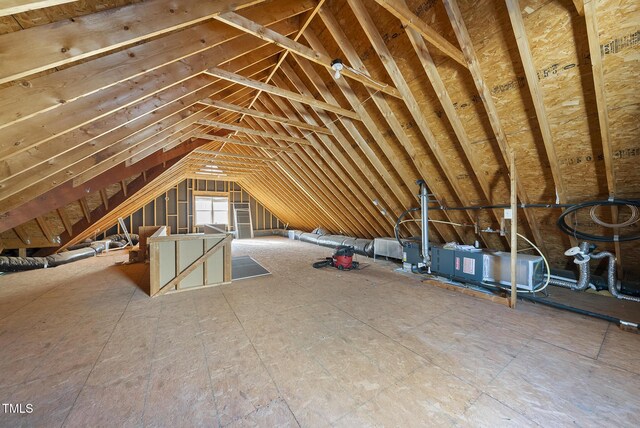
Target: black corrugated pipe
[{"x": 493, "y": 207}]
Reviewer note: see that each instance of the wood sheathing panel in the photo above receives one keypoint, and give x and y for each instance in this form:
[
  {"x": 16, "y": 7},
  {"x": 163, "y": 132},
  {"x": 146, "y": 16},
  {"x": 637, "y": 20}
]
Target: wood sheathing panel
[{"x": 334, "y": 180}]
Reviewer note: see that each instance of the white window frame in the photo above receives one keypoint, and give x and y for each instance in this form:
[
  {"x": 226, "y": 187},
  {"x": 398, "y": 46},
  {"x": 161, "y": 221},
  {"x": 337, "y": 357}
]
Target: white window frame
[{"x": 213, "y": 211}]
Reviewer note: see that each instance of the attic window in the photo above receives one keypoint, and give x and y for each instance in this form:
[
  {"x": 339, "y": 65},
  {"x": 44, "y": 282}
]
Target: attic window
[{"x": 212, "y": 210}]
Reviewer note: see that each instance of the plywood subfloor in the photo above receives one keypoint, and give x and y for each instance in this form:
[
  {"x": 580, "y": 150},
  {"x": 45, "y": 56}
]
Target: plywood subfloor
[{"x": 302, "y": 346}]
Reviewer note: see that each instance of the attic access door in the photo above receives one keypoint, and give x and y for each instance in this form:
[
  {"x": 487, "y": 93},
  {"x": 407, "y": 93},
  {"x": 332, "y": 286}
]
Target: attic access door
[{"x": 243, "y": 221}]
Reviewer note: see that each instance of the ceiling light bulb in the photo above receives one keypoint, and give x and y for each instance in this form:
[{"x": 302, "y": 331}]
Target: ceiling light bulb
[{"x": 337, "y": 65}]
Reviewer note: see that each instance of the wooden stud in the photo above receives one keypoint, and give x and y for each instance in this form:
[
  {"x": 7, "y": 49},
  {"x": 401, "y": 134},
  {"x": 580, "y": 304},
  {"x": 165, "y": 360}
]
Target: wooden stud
[
  {"x": 514, "y": 230},
  {"x": 105, "y": 198}
]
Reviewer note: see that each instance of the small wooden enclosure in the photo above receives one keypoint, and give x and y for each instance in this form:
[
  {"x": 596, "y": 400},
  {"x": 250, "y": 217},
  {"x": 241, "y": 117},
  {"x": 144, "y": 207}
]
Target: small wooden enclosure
[{"x": 187, "y": 262}]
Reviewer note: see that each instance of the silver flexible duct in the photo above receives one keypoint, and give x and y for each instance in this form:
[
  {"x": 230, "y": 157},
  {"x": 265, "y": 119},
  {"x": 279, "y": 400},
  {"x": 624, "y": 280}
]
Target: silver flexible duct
[
  {"x": 611, "y": 276},
  {"x": 585, "y": 272},
  {"x": 585, "y": 275}
]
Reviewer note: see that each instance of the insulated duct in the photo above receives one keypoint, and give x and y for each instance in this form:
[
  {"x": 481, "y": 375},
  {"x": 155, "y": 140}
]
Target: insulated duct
[
  {"x": 78, "y": 252},
  {"x": 582, "y": 258},
  {"x": 361, "y": 246},
  {"x": 18, "y": 264},
  {"x": 424, "y": 205}
]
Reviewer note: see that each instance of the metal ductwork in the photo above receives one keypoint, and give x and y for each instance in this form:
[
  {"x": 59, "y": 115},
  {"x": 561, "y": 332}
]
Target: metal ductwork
[
  {"x": 78, "y": 252},
  {"x": 582, "y": 256}
]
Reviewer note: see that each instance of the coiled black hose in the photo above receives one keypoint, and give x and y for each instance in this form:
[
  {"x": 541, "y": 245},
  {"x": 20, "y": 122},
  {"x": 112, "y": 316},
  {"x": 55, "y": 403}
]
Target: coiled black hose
[
  {"x": 563, "y": 226},
  {"x": 396, "y": 228}
]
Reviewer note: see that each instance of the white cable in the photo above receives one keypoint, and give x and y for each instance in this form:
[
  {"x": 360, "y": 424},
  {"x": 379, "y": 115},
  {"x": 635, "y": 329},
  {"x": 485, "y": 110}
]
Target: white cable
[
  {"x": 353, "y": 70},
  {"x": 546, "y": 264},
  {"x": 634, "y": 217}
]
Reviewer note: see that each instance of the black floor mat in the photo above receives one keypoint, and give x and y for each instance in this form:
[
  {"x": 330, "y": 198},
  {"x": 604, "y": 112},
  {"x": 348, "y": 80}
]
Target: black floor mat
[{"x": 245, "y": 267}]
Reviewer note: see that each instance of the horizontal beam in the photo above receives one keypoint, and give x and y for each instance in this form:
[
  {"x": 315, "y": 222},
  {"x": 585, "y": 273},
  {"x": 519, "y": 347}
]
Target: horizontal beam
[
  {"x": 264, "y": 33},
  {"x": 234, "y": 155},
  {"x": 266, "y": 116},
  {"x": 241, "y": 143},
  {"x": 274, "y": 90},
  {"x": 11, "y": 7},
  {"x": 252, "y": 131}
]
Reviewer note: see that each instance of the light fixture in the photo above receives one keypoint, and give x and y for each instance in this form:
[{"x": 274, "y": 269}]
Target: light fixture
[{"x": 338, "y": 66}]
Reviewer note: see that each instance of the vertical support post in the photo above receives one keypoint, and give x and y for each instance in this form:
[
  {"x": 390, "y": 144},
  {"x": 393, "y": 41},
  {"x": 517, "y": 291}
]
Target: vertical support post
[
  {"x": 424, "y": 205},
  {"x": 514, "y": 228}
]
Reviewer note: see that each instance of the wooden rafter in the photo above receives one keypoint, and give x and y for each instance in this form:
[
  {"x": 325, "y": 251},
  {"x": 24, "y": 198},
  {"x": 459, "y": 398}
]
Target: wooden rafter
[
  {"x": 415, "y": 151},
  {"x": 64, "y": 218},
  {"x": 312, "y": 172},
  {"x": 270, "y": 89},
  {"x": 241, "y": 143},
  {"x": 399, "y": 9},
  {"x": 367, "y": 183},
  {"x": 22, "y": 233},
  {"x": 250, "y": 131},
  {"x": 536, "y": 94},
  {"x": 12, "y": 7},
  {"x": 107, "y": 71},
  {"x": 460, "y": 29},
  {"x": 46, "y": 229},
  {"x": 589, "y": 12},
  {"x": 311, "y": 14},
  {"x": 410, "y": 101},
  {"x": 299, "y": 49},
  {"x": 270, "y": 117},
  {"x": 450, "y": 111},
  {"x": 108, "y": 30},
  {"x": 601, "y": 97},
  {"x": 388, "y": 186},
  {"x": 234, "y": 155}
]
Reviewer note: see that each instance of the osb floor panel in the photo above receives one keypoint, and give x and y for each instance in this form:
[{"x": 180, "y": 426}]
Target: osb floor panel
[{"x": 86, "y": 347}]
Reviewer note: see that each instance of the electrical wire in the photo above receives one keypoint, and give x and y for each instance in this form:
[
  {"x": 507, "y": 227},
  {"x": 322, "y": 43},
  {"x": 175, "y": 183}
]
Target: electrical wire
[
  {"x": 634, "y": 217},
  {"x": 573, "y": 231},
  {"x": 534, "y": 246},
  {"x": 546, "y": 264}
]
